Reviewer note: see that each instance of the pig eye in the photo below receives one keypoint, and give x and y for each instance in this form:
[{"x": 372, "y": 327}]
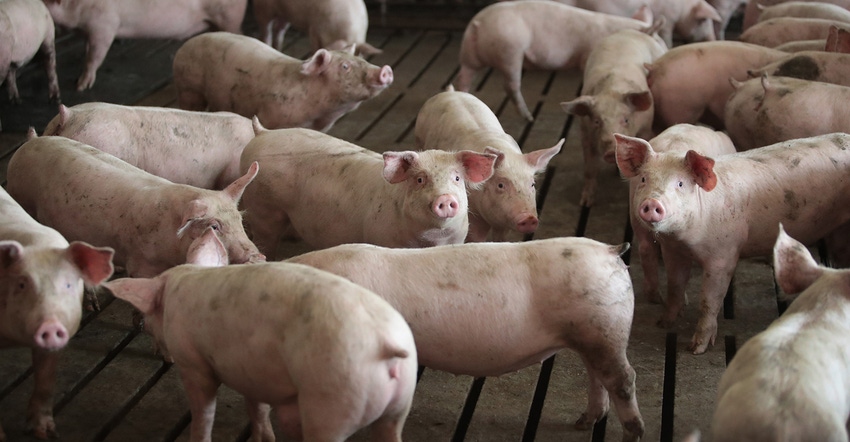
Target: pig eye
[
  {"x": 457, "y": 177},
  {"x": 643, "y": 179},
  {"x": 501, "y": 185},
  {"x": 216, "y": 227},
  {"x": 681, "y": 184},
  {"x": 345, "y": 66},
  {"x": 420, "y": 180}
]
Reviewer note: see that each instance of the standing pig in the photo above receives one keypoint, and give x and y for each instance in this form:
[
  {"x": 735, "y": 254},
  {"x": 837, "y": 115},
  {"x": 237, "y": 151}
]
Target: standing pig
[
  {"x": 776, "y": 31},
  {"x": 541, "y": 34},
  {"x": 676, "y": 139},
  {"x": 455, "y": 121},
  {"x": 690, "y": 83},
  {"x": 151, "y": 222},
  {"x": 792, "y": 381},
  {"x": 228, "y": 72},
  {"x": 766, "y": 110},
  {"x": 754, "y": 9},
  {"x": 615, "y": 98},
  {"x": 330, "y": 24},
  {"x": 714, "y": 211},
  {"x": 329, "y": 192},
  {"x": 330, "y": 356},
  {"x": 486, "y": 309},
  {"x": 201, "y": 149},
  {"x": 41, "y": 296},
  {"x": 103, "y": 21}
]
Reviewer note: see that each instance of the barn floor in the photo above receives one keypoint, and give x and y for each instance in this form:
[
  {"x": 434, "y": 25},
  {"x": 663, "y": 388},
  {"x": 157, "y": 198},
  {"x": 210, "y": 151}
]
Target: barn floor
[{"x": 112, "y": 387}]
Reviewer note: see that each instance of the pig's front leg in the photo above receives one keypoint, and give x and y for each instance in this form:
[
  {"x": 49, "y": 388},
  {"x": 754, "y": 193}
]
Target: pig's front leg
[
  {"x": 678, "y": 265},
  {"x": 261, "y": 425},
  {"x": 48, "y": 48},
  {"x": 40, "y": 409},
  {"x": 12, "y": 85},
  {"x": 648, "y": 251},
  {"x": 99, "y": 41},
  {"x": 200, "y": 390},
  {"x": 716, "y": 276}
]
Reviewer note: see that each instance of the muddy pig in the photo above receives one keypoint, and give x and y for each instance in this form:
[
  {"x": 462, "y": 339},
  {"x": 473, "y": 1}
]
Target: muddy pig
[
  {"x": 828, "y": 67},
  {"x": 455, "y": 121},
  {"x": 329, "y": 192},
  {"x": 715, "y": 211},
  {"x": 545, "y": 295},
  {"x": 330, "y": 24},
  {"x": 201, "y": 149},
  {"x": 331, "y": 357},
  {"x": 792, "y": 381},
  {"x": 41, "y": 295},
  {"x": 614, "y": 98},
  {"x": 227, "y": 72},
  {"x": 539, "y": 34},
  {"x": 151, "y": 222}
]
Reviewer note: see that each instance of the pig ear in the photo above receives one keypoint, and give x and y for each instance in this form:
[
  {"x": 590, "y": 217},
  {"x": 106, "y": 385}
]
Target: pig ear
[
  {"x": 143, "y": 293},
  {"x": 196, "y": 209},
  {"x": 398, "y": 164},
  {"x": 500, "y": 156},
  {"x": 257, "y": 126},
  {"x": 10, "y": 254},
  {"x": 478, "y": 166},
  {"x": 207, "y": 250},
  {"x": 95, "y": 263},
  {"x": 702, "y": 169},
  {"x": 31, "y": 133},
  {"x": 703, "y": 10},
  {"x": 639, "y": 101},
  {"x": 794, "y": 266},
  {"x": 235, "y": 189},
  {"x": 838, "y": 40},
  {"x": 318, "y": 63},
  {"x": 539, "y": 159},
  {"x": 581, "y": 106},
  {"x": 632, "y": 153}
]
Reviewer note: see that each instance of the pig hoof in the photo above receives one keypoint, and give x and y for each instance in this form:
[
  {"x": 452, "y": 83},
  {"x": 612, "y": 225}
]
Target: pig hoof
[
  {"x": 698, "y": 347},
  {"x": 584, "y": 423},
  {"x": 44, "y": 428}
]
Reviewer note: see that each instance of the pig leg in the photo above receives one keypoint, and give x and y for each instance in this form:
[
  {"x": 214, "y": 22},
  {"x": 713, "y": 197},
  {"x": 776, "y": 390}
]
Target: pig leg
[
  {"x": 99, "y": 41},
  {"x": 513, "y": 80},
  {"x": 715, "y": 281},
  {"x": 48, "y": 48},
  {"x": 40, "y": 409},
  {"x": 591, "y": 162},
  {"x": 387, "y": 428},
  {"x": 648, "y": 251},
  {"x": 200, "y": 391},
  {"x": 12, "y": 85},
  {"x": 290, "y": 420},
  {"x": 678, "y": 266},
  {"x": 597, "y": 401},
  {"x": 614, "y": 371},
  {"x": 464, "y": 78},
  {"x": 330, "y": 416},
  {"x": 261, "y": 426}
]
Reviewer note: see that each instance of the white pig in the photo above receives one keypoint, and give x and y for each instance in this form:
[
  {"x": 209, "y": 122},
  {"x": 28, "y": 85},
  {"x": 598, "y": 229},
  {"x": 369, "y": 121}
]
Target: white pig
[
  {"x": 329, "y": 192},
  {"x": 766, "y": 110},
  {"x": 690, "y": 83},
  {"x": 26, "y": 28},
  {"x": 456, "y": 121},
  {"x": 104, "y": 20},
  {"x": 792, "y": 381},
  {"x": 776, "y": 31},
  {"x": 714, "y": 211},
  {"x": 614, "y": 98},
  {"x": 754, "y": 9},
  {"x": 41, "y": 295},
  {"x": 330, "y": 24},
  {"x": 805, "y": 10},
  {"x": 228, "y": 72},
  {"x": 151, "y": 222},
  {"x": 676, "y": 139},
  {"x": 486, "y": 309},
  {"x": 330, "y": 356},
  {"x": 540, "y": 34},
  {"x": 201, "y": 149}
]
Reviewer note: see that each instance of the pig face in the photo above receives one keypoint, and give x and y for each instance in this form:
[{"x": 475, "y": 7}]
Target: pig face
[
  {"x": 698, "y": 24},
  {"x": 355, "y": 78},
  {"x": 607, "y": 114},
  {"x": 667, "y": 186}
]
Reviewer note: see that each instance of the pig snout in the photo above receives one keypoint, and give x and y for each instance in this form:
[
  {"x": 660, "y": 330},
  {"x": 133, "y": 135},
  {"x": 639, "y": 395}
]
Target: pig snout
[
  {"x": 384, "y": 77},
  {"x": 51, "y": 335},
  {"x": 445, "y": 206},
  {"x": 527, "y": 224},
  {"x": 651, "y": 211},
  {"x": 255, "y": 258}
]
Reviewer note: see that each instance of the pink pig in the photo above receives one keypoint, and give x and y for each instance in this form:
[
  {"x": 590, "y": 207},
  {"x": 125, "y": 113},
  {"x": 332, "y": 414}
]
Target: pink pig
[
  {"x": 104, "y": 20},
  {"x": 486, "y": 309},
  {"x": 151, "y": 222},
  {"x": 41, "y": 296},
  {"x": 714, "y": 211},
  {"x": 754, "y": 9},
  {"x": 201, "y": 149},
  {"x": 805, "y": 10},
  {"x": 455, "y": 121},
  {"x": 227, "y": 72},
  {"x": 329, "y": 192},
  {"x": 776, "y": 31},
  {"x": 540, "y": 34},
  {"x": 330, "y": 356}
]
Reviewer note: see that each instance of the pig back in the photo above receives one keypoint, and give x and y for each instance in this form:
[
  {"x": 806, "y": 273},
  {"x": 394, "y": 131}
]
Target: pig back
[
  {"x": 19, "y": 226},
  {"x": 456, "y": 121}
]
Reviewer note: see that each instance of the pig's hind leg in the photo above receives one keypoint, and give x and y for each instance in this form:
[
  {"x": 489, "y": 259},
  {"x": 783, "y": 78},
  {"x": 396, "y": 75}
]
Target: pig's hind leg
[
  {"x": 261, "y": 425},
  {"x": 513, "y": 82},
  {"x": 610, "y": 367},
  {"x": 48, "y": 48},
  {"x": 12, "y": 85}
]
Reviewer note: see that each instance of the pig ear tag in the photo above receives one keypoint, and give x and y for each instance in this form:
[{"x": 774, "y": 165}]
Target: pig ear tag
[{"x": 702, "y": 169}]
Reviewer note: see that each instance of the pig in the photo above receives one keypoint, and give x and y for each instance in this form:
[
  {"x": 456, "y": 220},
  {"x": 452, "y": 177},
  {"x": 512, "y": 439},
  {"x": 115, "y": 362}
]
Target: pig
[
  {"x": 803, "y": 9},
  {"x": 151, "y": 223},
  {"x": 754, "y": 9},
  {"x": 330, "y": 24},
  {"x": 766, "y": 110},
  {"x": 103, "y": 21},
  {"x": 25, "y": 28},
  {"x": 329, "y": 192},
  {"x": 690, "y": 83},
  {"x": 545, "y": 295},
  {"x": 791, "y": 381},
  {"x": 614, "y": 98},
  {"x": 228, "y": 72},
  {"x": 725, "y": 9},
  {"x": 828, "y": 67},
  {"x": 713, "y": 211},
  {"x": 678, "y": 140},
  {"x": 541, "y": 34},
  {"x": 330, "y": 356},
  {"x": 802, "y": 45},
  {"x": 201, "y": 149},
  {"x": 42, "y": 277},
  {"x": 455, "y": 121},
  {"x": 776, "y": 31}
]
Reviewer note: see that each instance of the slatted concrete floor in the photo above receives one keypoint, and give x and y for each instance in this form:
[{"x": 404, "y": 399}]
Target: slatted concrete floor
[{"x": 112, "y": 387}]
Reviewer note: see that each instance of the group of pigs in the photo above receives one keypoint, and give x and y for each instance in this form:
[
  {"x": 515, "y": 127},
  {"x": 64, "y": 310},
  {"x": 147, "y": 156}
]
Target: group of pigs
[{"x": 161, "y": 194}]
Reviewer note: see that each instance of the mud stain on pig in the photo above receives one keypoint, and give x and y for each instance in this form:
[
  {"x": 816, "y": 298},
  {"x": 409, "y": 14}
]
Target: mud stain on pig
[
  {"x": 839, "y": 142},
  {"x": 567, "y": 253},
  {"x": 793, "y": 205},
  {"x": 802, "y": 67}
]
